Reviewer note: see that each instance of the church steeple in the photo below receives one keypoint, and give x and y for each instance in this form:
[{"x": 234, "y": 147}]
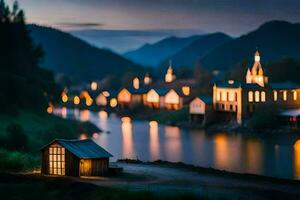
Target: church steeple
[
  {"x": 169, "y": 77},
  {"x": 256, "y": 75}
]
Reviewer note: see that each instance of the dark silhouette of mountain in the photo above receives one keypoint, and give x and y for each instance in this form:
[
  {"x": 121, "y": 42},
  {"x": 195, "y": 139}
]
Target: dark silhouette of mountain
[
  {"x": 153, "y": 54},
  {"x": 71, "y": 56},
  {"x": 197, "y": 49},
  {"x": 275, "y": 40}
]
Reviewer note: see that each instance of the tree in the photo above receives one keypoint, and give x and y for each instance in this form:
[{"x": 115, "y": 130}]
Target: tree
[{"x": 23, "y": 84}]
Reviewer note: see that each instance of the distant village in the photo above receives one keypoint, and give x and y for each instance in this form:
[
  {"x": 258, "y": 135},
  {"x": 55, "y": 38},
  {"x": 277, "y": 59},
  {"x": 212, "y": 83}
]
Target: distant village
[{"x": 230, "y": 101}]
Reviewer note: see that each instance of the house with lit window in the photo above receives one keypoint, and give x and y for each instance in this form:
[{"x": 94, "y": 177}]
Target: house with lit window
[
  {"x": 176, "y": 99},
  {"x": 74, "y": 158},
  {"x": 130, "y": 97},
  {"x": 200, "y": 109},
  {"x": 239, "y": 100},
  {"x": 155, "y": 98}
]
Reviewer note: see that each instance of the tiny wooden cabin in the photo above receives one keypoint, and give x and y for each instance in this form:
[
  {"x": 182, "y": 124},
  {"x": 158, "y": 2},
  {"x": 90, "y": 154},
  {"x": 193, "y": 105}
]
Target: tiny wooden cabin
[{"x": 74, "y": 158}]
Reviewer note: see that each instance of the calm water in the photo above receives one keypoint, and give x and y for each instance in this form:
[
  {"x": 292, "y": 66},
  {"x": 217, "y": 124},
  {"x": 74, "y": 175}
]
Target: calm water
[{"x": 271, "y": 155}]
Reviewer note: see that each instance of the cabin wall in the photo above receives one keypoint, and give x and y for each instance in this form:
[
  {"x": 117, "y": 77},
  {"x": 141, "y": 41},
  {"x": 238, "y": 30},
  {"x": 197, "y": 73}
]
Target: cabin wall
[
  {"x": 45, "y": 161},
  {"x": 100, "y": 166},
  {"x": 71, "y": 164}
]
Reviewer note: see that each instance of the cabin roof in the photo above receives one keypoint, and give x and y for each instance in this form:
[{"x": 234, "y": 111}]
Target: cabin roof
[
  {"x": 284, "y": 85},
  {"x": 83, "y": 148}
]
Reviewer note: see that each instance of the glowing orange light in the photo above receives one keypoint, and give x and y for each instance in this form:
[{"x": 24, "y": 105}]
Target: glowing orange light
[
  {"x": 136, "y": 83},
  {"x": 186, "y": 90},
  {"x": 64, "y": 98},
  {"x": 89, "y": 101},
  {"x": 94, "y": 86},
  {"x": 113, "y": 102},
  {"x": 49, "y": 109},
  {"x": 76, "y": 100},
  {"x": 106, "y": 93},
  {"x": 147, "y": 79},
  {"x": 83, "y": 136}
]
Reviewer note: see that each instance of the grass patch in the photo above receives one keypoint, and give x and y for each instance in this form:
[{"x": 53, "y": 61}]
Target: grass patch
[{"x": 22, "y": 136}]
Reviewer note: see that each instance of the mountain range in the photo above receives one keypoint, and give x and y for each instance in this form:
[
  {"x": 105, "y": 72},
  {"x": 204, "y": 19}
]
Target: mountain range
[
  {"x": 153, "y": 54},
  {"x": 68, "y": 55},
  {"x": 275, "y": 40}
]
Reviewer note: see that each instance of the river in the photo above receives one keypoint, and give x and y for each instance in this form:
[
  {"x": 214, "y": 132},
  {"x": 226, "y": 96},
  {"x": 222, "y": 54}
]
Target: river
[{"x": 266, "y": 154}]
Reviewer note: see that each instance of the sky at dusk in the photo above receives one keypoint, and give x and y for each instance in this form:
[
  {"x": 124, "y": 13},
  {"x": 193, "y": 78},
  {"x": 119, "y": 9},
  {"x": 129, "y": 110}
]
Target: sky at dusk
[{"x": 233, "y": 17}]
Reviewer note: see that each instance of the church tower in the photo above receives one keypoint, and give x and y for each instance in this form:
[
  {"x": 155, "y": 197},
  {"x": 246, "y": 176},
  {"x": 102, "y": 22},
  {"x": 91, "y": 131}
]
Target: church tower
[
  {"x": 170, "y": 77},
  {"x": 256, "y": 74}
]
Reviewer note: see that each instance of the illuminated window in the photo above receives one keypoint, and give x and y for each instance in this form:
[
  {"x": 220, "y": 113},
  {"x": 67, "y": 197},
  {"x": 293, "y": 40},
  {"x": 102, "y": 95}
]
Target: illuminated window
[
  {"x": 263, "y": 96},
  {"x": 284, "y": 95},
  {"x": 219, "y": 96},
  {"x": 250, "y": 96},
  {"x": 231, "y": 96},
  {"x": 224, "y": 96},
  {"x": 186, "y": 90},
  {"x": 295, "y": 95},
  {"x": 256, "y": 96},
  {"x": 56, "y": 160},
  {"x": 275, "y": 95}
]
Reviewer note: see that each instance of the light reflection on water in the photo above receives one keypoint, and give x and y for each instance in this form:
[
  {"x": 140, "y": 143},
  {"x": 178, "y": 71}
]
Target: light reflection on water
[{"x": 272, "y": 155}]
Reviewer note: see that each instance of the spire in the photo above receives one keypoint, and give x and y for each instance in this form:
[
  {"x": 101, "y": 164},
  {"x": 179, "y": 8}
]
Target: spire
[{"x": 257, "y": 56}]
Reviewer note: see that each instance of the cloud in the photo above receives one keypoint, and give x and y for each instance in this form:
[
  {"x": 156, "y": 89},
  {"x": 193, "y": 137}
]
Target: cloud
[{"x": 78, "y": 24}]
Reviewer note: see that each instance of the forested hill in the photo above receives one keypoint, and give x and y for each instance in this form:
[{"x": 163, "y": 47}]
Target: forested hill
[{"x": 77, "y": 59}]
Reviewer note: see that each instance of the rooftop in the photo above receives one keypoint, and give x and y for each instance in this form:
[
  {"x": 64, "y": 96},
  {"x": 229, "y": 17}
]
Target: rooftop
[{"x": 83, "y": 148}]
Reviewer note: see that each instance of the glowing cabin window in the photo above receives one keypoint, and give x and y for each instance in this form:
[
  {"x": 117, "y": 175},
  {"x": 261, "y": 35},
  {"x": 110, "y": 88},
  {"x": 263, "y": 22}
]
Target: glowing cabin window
[
  {"x": 224, "y": 96},
  {"x": 284, "y": 95},
  {"x": 295, "y": 95},
  {"x": 250, "y": 96},
  {"x": 275, "y": 93},
  {"x": 263, "y": 96},
  {"x": 257, "y": 96},
  {"x": 56, "y": 160}
]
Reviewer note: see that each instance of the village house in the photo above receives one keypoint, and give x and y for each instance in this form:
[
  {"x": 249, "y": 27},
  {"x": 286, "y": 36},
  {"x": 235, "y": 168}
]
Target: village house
[
  {"x": 130, "y": 97},
  {"x": 200, "y": 109},
  {"x": 74, "y": 158},
  {"x": 239, "y": 100},
  {"x": 155, "y": 98}
]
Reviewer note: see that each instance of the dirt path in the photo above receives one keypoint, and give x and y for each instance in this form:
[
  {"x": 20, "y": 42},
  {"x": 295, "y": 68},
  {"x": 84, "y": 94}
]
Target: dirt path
[{"x": 162, "y": 178}]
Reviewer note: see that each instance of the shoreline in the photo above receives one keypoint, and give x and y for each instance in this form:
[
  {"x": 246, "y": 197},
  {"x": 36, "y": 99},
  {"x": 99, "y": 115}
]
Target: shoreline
[{"x": 210, "y": 170}]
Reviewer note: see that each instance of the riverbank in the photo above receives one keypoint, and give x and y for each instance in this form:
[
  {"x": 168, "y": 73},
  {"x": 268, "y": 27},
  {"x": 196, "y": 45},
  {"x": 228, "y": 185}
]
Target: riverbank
[{"x": 22, "y": 136}]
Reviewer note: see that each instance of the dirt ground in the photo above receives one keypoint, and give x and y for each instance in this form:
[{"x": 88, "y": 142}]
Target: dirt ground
[{"x": 158, "y": 178}]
